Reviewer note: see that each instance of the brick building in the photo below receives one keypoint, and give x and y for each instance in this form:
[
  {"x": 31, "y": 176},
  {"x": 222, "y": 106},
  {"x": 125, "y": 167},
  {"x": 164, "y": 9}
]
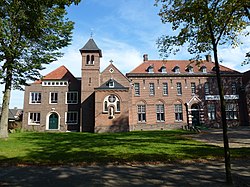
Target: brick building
[{"x": 155, "y": 95}]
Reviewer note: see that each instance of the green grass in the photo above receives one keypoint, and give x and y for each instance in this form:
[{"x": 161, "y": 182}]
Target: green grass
[{"x": 77, "y": 148}]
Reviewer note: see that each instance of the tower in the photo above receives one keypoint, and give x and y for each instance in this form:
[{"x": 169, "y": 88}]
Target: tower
[{"x": 91, "y": 55}]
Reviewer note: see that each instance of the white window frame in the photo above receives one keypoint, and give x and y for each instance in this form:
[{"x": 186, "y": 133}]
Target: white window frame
[
  {"x": 73, "y": 122},
  {"x": 211, "y": 111},
  {"x": 151, "y": 89},
  {"x": 179, "y": 88},
  {"x": 206, "y": 88},
  {"x": 137, "y": 89},
  {"x": 108, "y": 101},
  {"x": 50, "y": 98},
  {"x": 165, "y": 88},
  {"x": 190, "y": 69},
  {"x": 160, "y": 113},
  {"x": 141, "y": 113},
  {"x": 71, "y": 92},
  {"x": 36, "y": 115},
  {"x": 177, "y": 69},
  {"x": 193, "y": 88},
  {"x": 204, "y": 69},
  {"x": 36, "y": 98},
  {"x": 178, "y": 111},
  {"x": 231, "y": 111}
]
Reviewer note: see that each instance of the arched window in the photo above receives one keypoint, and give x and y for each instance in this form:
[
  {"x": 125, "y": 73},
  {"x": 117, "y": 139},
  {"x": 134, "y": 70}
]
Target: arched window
[
  {"x": 111, "y": 101},
  {"x": 92, "y": 59},
  {"x": 88, "y": 59},
  {"x": 105, "y": 106},
  {"x": 118, "y": 109}
]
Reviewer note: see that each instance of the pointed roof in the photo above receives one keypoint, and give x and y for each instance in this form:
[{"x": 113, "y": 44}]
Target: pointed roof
[
  {"x": 91, "y": 46},
  {"x": 61, "y": 73},
  {"x": 116, "y": 86}
]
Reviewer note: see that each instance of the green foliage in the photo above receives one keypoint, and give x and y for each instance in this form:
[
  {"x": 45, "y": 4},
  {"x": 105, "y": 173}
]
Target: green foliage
[
  {"x": 31, "y": 34},
  {"x": 65, "y": 148},
  {"x": 202, "y": 24}
]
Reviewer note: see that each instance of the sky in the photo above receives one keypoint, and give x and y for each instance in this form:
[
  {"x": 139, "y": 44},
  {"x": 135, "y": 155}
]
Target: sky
[{"x": 124, "y": 30}]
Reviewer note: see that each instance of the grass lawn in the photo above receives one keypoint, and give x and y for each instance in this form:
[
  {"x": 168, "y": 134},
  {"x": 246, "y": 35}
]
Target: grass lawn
[{"x": 77, "y": 148}]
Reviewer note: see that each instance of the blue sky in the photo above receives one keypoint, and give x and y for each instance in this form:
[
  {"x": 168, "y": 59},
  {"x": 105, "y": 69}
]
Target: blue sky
[{"x": 124, "y": 30}]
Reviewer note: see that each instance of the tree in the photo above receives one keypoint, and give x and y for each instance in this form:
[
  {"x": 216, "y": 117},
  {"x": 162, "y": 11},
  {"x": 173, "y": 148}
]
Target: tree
[
  {"x": 203, "y": 25},
  {"x": 31, "y": 34}
]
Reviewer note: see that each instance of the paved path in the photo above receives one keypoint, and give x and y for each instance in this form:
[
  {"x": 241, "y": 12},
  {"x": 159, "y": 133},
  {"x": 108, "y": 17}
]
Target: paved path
[
  {"x": 187, "y": 174},
  {"x": 238, "y": 137}
]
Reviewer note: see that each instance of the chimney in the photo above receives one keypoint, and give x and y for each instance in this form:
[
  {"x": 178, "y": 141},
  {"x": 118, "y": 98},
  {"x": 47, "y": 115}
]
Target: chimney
[
  {"x": 208, "y": 58},
  {"x": 145, "y": 57}
]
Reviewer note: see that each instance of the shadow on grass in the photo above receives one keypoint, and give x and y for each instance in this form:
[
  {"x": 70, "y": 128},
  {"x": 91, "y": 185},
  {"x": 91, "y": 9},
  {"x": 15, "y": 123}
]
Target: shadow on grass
[{"x": 77, "y": 148}]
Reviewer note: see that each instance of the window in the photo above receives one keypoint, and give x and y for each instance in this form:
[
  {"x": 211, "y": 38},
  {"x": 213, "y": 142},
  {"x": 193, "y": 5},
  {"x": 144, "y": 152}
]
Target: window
[
  {"x": 35, "y": 97},
  {"x": 111, "y": 84},
  {"x": 178, "y": 112},
  {"x": 179, "y": 89},
  {"x": 72, "y": 98},
  {"x": 151, "y": 69},
  {"x": 88, "y": 59},
  {"x": 34, "y": 117},
  {"x": 234, "y": 89},
  {"x": 211, "y": 112},
  {"x": 193, "y": 88},
  {"x": 151, "y": 88},
  {"x": 105, "y": 109},
  {"x": 177, "y": 69},
  {"x": 206, "y": 88},
  {"x": 203, "y": 69},
  {"x": 231, "y": 111},
  {"x": 72, "y": 117},
  {"x": 53, "y": 97},
  {"x": 190, "y": 69},
  {"x": 165, "y": 88},
  {"x": 111, "y": 101},
  {"x": 141, "y": 111},
  {"x": 92, "y": 59},
  {"x": 118, "y": 106},
  {"x": 160, "y": 116},
  {"x": 137, "y": 89},
  {"x": 163, "y": 69}
]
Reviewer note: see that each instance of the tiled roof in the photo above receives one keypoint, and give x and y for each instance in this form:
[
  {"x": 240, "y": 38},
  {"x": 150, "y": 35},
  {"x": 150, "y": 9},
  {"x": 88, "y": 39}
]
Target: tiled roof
[
  {"x": 91, "y": 46},
  {"x": 182, "y": 64},
  {"x": 61, "y": 73}
]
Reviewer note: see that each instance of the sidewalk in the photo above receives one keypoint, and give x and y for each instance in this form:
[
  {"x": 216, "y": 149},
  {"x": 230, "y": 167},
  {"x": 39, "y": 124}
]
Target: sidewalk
[
  {"x": 207, "y": 174},
  {"x": 238, "y": 137}
]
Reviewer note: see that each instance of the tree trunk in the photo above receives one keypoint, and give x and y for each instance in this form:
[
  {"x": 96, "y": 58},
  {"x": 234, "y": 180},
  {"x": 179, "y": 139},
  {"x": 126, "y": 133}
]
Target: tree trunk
[
  {"x": 5, "y": 107},
  {"x": 224, "y": 121}
]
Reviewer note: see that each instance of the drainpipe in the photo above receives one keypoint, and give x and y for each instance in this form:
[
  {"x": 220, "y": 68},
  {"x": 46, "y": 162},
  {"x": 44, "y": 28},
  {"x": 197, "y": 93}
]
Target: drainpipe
[{"x": 186, "y": 105}]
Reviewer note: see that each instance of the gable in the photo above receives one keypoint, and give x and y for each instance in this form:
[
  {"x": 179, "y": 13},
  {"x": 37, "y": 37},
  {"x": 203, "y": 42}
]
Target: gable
[{"x": 111, "y": 72}]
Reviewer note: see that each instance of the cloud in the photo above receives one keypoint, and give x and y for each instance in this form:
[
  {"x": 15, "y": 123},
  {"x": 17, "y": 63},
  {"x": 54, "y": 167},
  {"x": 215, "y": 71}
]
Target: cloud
[{"x": 124, "y": 56}]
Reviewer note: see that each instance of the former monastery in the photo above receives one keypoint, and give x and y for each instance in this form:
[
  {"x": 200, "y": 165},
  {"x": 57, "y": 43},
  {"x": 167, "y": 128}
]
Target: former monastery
[{"x": 155, "y": 95}]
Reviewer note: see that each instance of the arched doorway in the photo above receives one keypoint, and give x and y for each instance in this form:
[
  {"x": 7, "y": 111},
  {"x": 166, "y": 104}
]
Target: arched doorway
[
  {"x": 53, "y": 121},
  {"x": 195, "y": 112}
]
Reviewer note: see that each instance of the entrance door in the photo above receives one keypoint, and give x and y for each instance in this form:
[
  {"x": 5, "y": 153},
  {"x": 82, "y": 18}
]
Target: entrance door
[
  {"x": 195, "y": 111},
  {"x": 53, "y": 121}
]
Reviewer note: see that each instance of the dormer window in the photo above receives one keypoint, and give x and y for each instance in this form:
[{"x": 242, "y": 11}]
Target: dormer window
[
  {"x": 203, "y": 69},
  {"x": 150, "y": 69},
  {"x": 163, "y": 69},
  {"x": 176, "y": 69},
  {"x": 190, "y": 69},
  {"x": 111, "y": 84}
]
